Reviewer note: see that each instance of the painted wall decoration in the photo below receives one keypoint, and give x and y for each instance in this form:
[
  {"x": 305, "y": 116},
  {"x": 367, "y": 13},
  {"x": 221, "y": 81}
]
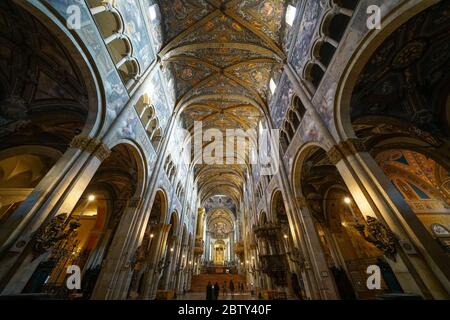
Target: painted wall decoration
[
  {"x": 158, "y": 98},
  {"x": 282, "y": 101},
  {"x": 219, "y": 201},
  {"x": 310, "y": 132},
  {"x": 136, "y": 30},
  {"x": 115, "y": 91},
  {"x": 309, "y": 23}
]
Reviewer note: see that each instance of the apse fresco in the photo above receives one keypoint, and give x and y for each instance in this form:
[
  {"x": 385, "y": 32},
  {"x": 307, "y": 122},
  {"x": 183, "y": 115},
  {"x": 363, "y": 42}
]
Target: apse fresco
[{"x": 218, "y": 202}]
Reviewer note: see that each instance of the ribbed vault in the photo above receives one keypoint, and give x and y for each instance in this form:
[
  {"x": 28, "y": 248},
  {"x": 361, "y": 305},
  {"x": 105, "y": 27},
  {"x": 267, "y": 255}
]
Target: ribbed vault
[{"x": 222, "y": 55}]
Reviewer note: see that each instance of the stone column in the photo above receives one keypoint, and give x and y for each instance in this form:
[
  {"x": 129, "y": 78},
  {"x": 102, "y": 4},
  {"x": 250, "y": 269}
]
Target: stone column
[
  {"x": 200, "y": 218},
  {"x": 207, "y": 246},
  {"x": 327, "y": 286},
  {"x": 422, "y": 263},
  {"x": 181, "y": 269},
  {"x": 116, "y": 274},
  {"x": 232, "y": 247},
  {"x": 172, "y": 276},
  {"x": 58, "y": 192},
  {"x": 154, "y": 260}
]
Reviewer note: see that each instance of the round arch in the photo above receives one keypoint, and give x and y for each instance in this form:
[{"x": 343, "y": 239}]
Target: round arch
[
  {"x": 277, "y": 196},
  {"x": 81, "y": 59},
  {"x": 262, "y": 219},
  {"x": 297, "y": 166},
  {"x": 141, "y": 163},
  {"x": 174, "y": 221},
  {"x": 359, "y": 59}
]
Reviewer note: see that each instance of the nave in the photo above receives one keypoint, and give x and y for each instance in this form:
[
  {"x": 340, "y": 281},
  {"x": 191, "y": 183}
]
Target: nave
[{"x": 285, "y": 149}]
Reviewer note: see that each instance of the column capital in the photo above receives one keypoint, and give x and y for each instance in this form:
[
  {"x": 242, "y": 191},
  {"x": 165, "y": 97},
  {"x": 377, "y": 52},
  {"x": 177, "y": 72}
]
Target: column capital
[
  {"x": 353, "y": 146},
  {"x": 335, "y": 155},
  {"x": 346, "y": 149},
  {"x": 302, "y": 202},
  {"x": 92, "y": 145},
  {"x": 80, "y": 142}
]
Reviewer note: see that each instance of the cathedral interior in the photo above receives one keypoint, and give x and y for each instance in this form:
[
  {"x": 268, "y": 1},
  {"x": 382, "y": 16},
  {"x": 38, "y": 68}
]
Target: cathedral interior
[{"x": 282, "y": 149}]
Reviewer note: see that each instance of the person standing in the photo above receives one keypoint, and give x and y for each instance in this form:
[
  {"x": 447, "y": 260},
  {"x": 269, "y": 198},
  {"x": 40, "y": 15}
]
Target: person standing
[
  {"x": 224, "y": 289},
  {"x": 216, "y": 291},
  {"x": 231, "y": 287},
  {"x": 209, "y": 291}
]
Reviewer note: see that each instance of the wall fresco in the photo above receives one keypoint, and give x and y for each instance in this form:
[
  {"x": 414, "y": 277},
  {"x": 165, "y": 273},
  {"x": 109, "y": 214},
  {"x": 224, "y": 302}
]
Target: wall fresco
[
  {"x": 310, "y": 20},
  {"x": 136, "y": 30},
  {"x": 282, "y": 101},
  {"x": 115, "y": 92}
]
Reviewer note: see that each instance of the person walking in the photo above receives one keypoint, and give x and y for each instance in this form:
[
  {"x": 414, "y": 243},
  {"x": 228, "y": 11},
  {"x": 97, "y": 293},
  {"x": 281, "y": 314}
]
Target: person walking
[
  {"x": 209, "y": 291},
  {"x": 216, "y": 291}
]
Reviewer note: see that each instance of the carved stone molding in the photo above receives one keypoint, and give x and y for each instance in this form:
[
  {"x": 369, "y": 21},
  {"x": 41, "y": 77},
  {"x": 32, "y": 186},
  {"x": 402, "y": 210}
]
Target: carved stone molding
[
  {"x": 91, "y": 145},
  {"x": 80, "y": 142},
  {"x": 302, "y": 202},
  {"x": 352, "y": 147},
  {"x": 345, "y": 149},
  {"x": 102, "y": 153},
  {"x": 335, "y": 155}
]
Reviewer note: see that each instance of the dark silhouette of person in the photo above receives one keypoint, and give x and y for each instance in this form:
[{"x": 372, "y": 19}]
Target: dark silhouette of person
[
  {"x": 343, "y": 284},
  {"x": 209, "y": 291},
  {"x": 296, "y": 286},
  {"x": 216, "y": 291},
  {"x": 231, "y": 287}
]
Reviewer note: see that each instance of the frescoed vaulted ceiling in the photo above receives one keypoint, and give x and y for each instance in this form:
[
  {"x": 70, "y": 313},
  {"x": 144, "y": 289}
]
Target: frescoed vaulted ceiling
[
  {"x": 220, "y": 223},
  {"x": 407, "y": 79},
  {"x": 222, "y": 55}
]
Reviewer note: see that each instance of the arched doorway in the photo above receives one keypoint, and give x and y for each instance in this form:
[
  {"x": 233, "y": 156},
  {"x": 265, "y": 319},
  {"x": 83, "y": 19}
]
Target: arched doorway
[
  {"x": 398, "y": 109},
  {"x": 290, "y": 255},
  {"x": 86, "y": 232},
  {"x": 341, "y": 228},
  {"x": 142, "y": 258},
  {"x": 169, "y": 253},
  {"x": 40, "y": 113}
]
